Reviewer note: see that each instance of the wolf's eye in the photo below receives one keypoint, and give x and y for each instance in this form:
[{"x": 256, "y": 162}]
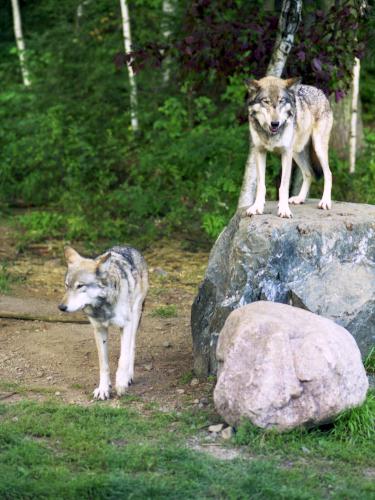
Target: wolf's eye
[
  {"x": 266, "y": 101},
  {"x": 282, "y": 100},
  {"x": 80, "y": 285}
]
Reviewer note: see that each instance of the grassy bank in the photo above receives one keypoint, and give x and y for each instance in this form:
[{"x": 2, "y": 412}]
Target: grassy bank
[{"x": 54, "y": 450}]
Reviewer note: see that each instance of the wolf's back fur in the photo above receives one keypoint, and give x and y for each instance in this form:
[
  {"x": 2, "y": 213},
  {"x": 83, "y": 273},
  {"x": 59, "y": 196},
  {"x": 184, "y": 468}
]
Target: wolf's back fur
[
  {"x": 315, "y": 100},
  {"x": 125, "y": 273}
]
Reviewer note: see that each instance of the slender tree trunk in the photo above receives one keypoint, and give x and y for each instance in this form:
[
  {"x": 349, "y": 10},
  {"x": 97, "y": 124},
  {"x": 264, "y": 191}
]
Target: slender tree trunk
[
  {"x": 342, "y": 118},
  {"x": 289, "y": 20},
  {"x": 354, "y": 117},
  {"x": 356, "y": 126},
  {"x": 20, "y": 42},
  {"x": 79, "y": 13},
  {"x": 345, "y": 122},
  {"x": 168, "y": 9},
  {"x": 132, "y": 82}
]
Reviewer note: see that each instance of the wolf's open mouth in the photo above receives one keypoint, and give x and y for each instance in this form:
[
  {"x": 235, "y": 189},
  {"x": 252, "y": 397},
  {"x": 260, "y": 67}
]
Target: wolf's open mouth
[{"x": 274, "y": 129}]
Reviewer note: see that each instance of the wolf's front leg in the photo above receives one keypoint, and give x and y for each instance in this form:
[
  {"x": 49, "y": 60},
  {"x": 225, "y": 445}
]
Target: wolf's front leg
[
  {"x": 258, "y": 206},
  {"x": 125, "y": 370},
  {"x": 103, "y": 391},
  {"x": 286, "y": 163}
]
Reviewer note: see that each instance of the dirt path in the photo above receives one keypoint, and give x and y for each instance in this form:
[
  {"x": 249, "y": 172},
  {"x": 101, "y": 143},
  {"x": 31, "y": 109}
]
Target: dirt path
[{"x": 46, "y": 357}]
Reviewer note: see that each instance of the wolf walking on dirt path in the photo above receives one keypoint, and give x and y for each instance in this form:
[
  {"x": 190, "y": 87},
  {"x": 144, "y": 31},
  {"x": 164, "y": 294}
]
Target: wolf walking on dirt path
[{"x": 111, "y": 290}]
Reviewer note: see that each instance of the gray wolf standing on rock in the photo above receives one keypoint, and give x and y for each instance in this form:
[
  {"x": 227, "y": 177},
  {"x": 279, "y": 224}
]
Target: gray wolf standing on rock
[
  {"x": 295, "y": 121},
  {"x": 111, "y": 290}
]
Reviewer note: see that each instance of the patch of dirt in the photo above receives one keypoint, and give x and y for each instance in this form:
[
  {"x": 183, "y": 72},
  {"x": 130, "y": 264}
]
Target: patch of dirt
[
  {"x": 217, "y": 449},
  {"x": 369, "y": 473},
  {"x": 48, "y": 358}
]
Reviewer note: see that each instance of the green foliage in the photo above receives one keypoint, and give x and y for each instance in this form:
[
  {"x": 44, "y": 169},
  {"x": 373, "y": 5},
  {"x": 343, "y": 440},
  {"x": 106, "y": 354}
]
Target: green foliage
[
  {"x": 41, "y": 225},
  {"x": 68, "y": 154}
]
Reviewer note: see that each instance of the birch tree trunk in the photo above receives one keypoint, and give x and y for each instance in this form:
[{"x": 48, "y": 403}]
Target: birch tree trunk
[
  {"x": 354, "y": 116},
  {"x": 168, "y": 9},
  {"x": 79, "y": 13},
  {"x": 132, "y": 82},
  {"x": 289, "y": 20},
  {"x": 347, "y": 136},
  {"x": 353, "y": 140},
  {"x": 20, "y": 42}
]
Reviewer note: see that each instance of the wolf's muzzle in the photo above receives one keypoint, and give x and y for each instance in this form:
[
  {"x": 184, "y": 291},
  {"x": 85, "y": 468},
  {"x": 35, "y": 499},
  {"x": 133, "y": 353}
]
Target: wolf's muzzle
[{"x": 274, "y": 126}]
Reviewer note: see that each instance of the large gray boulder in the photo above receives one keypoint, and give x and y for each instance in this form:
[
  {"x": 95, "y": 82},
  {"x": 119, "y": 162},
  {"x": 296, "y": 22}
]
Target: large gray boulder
[
  {"x": 322, "y": 261},
  {"x": 282, "y": 367}
]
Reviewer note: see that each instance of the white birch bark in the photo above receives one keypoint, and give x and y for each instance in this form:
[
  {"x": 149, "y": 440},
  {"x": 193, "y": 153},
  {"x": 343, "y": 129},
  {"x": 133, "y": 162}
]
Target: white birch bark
[
  {"x": 79, "y": 13},
  {"x": 345, "y": 125},
  {"x": 355, "y": 100},
  {"x": 132, "y": 82},
  {"x": 168, "y": 9},
  {"x": 290, "y": 17},
  {"x": 20, "y": 42},
  {"x": 289, "y": 20},
  {"x": 354, "y": 115}
]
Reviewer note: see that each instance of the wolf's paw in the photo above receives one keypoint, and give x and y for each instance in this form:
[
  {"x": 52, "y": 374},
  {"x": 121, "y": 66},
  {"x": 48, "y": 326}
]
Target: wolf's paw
[
  {"x": 325, "y": 204},
  {"x": 102, "y": 392},
  {"x": 296, "y": 200},
  {"x": 256, "y": 209},
  {"x": 122, "y": 383},
  {"x": 122, "y": 389},
  {"x": 285, "y": 212}
]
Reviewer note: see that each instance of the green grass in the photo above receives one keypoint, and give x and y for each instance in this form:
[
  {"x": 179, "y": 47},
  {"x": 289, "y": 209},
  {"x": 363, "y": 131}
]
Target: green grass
[
  {"x": 355, "y": 426},
  {"x": 370, "y": 361},
  {"x": 186, "y": 377},
  {"x": 6, "y": 278},
  {"x": 16, "y": 388},
  {"x": 169, "y": 311},
  {"x": 53, "y": 450}
]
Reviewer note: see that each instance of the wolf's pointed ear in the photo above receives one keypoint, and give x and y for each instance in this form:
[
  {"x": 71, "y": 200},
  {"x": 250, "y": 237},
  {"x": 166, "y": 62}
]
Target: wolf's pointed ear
[
  {"x": 71, "y": 256},
  {"x": 292, "y": 83},
  {"x": 102, "y": 263},
  {"x": 252, "y": 85}
]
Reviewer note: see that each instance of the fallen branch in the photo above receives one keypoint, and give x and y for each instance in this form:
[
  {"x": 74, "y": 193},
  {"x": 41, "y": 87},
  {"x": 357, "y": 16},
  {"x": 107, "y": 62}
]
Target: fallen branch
[
  {"x": 6, "y": 396},
  {"x": 46, "y": 319}
]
